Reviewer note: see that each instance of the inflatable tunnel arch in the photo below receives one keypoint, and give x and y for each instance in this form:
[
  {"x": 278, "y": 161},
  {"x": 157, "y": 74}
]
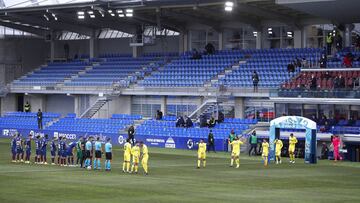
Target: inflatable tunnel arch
[{"x": 295, "y": 122}]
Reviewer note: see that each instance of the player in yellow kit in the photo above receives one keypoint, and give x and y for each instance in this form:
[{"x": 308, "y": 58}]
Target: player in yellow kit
[
  {"x": 135, "y": 152},
  {"x": 144, "y": 157},
  {"x": 127, "y": 156},
  {"x": 235, "y": 153},
  {"x": 278, "y": 146},
  {"x": 201, "y": 154},
  {"x": 292, "y": 144},
  {"x": 265, "y": 152}
]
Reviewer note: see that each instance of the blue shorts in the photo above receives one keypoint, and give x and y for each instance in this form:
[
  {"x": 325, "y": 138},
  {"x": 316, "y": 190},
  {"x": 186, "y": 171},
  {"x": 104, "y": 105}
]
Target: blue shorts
[
  {"x": 63, "y": 154},
  {"x": 70, "y": 154},
  {"x": 38, "y": 152},
  {"x": 19, "y": 150},
  {"x": 52, "y": 153},
  {"x": 43, "y": 152},
  {"x": 13, "y": 151},
  {"x": 28, "y": 151}
]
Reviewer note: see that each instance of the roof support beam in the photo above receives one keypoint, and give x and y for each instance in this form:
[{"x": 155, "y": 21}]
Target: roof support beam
[{"x": 39, "y": 32}]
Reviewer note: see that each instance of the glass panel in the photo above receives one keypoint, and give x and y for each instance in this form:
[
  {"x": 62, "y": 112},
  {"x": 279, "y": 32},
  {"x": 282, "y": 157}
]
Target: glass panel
[
  {"x": 280, "y": 110},
  {"x": 341, "y": 112},
  {"x": 294, "y": 109},
  {"x": 250, "y": 112},
  {"x": 310, "y": 111}
]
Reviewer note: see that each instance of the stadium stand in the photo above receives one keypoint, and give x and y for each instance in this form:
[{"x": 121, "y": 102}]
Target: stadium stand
[
  {"x": 52, "y": 74},
  {"x": 271, "y": 66},
  {"x": 27, "y": 120},
  {"x": 188, "y": 72}
]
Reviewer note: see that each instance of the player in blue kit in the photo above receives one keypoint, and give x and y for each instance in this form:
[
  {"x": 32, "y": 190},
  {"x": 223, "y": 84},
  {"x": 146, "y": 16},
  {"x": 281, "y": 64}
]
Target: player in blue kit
[
  {"x": 53, "y": 150},
  {"x": 108, "y": 154},
  {"x": 13, "y": 148},
  {"x": 70, "y": 153},
  {"x": 63, "y": 148},
  {"x": 88, "y": 148},
  {"x": 98, "y": 152},
  {"x": 44, "y": 143},
  {"x": 19, "y": 148},
  {"x": 28, "y": 149},
  {"x": 37, "y": 149}
]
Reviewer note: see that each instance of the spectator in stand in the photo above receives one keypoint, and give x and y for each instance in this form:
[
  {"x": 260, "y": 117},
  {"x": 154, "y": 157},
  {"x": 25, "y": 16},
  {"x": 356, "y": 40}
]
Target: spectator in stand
[
  {"x": 189, "y": 123},
  {"x": 327, "y": 75},
  {"x": 196, "y": 55},
  {"x": 357, "y": 42},
  {"x": 210, "y": 49},
  {"x": 180, "y": 122},
  {"x": 221, "y": 117},
  {"x": 290, "y": 68},
  {"x": 341, "y": 82},
  {"x": 313, "y": 84},
  {"x": 313, "y": 117},
  {"x": 324, "y": 151},
  {"x": 304, "y": 63},
  {"x": 338, "y": 41},
  {"x": 255, "y": 79},
  {"x": 347, "y": 61},
  {"x": 297, "y": 62},
  {"x": 27, "y": 107},
  {"x": 39, "y": 119},
  {"x": 159, "y": 115},
  {"x": 203, "y": 121},
  {"x": 212, "y": 122},
  {"x": 323, "y": 61},
  {"x": 329, "y": 41}
]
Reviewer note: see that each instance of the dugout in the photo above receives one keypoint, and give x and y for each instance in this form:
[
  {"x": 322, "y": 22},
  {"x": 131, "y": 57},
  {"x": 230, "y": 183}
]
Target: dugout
[{"x": 295, "y": 122}]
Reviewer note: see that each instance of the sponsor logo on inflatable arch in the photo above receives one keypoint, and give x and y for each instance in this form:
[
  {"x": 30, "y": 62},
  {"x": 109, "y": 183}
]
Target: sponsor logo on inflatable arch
[{"x": 170, "y": 143}]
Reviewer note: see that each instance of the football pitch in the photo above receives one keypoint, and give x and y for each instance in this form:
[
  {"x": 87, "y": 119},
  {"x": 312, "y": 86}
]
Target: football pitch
[{"x": 174, "y": 178}]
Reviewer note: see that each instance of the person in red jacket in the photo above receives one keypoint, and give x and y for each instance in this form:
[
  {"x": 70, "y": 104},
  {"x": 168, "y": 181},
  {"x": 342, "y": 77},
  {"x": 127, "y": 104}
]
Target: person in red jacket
[
  {"x": 347, "y": 61},
  {"x": 336, "y": 143}
]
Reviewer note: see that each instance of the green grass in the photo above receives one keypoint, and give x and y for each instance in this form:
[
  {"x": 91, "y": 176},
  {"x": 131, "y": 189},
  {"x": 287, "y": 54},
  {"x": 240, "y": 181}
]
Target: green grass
[{"x": 174, "y": 178}]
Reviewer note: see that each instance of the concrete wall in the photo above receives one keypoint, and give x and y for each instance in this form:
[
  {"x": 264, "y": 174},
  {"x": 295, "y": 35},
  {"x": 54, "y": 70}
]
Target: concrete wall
[
  {"x": 8, "y": 103},
  {"x": 37, "y": 101},
  {"x": 19, "y": 56},
  {"x": 60, "y": 104}
]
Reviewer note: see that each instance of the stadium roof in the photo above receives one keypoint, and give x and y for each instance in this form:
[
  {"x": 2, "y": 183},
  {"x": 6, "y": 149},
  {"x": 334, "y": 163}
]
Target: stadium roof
[{"x": 44, "y": 16}]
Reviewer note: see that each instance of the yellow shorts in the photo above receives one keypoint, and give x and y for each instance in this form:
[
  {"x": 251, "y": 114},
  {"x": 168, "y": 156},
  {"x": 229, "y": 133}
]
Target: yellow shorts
[
  {"x": 291, "y": 149},
  {"x": 277, "y": 153},
  {"x": 135, "y": 159},
  {"x": 265, "y": 154},
  {"x": 235, "y": 154},
  {"x": 127, "y": 157},
  {"x": 145, "y": 159},
  {"x": 201, "y": 155}
]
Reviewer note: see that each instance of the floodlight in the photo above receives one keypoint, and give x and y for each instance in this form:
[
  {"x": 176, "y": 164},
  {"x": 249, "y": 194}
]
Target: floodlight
[
  {"x": 81, "y": 17},
  {"x": 112, "y": 14},
  {"x": 90, "y": 12},
  {"x": 119, "y": 11},
  {"x": 121, "y": 15},
  {"x": 129, "y": 10},
  {"x": 228, "y": 8},
  {"x": 129, "y": 15},
  {"x": 92, "y": 16},
  {"x": 81, "y": 13},
  {"x": 229, "y": 4}
]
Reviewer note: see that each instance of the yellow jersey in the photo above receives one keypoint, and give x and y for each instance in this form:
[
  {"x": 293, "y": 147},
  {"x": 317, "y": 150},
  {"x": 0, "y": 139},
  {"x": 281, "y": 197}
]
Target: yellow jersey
[
  {"x": 145, "y": 151},
  {"x": 292, "y": 141},
  {"x": 279, "y": 145},
  {"x": 135, "y": 151},
  {"x": 265, "y": 148},
  {"x": 127, "y": 148},
  {"x": 236, "y": 145},
  {"x": 202, "y": 148}
]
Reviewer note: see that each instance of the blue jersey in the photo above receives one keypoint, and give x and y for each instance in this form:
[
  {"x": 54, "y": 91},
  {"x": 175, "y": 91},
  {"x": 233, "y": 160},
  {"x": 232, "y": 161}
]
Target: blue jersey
[
  {"x": 88, "y": 146},
  {"x": 53, "y": 146},
  {"x": 37, "y": 144},
  {"x": 97, "y": 146},
  {"x": 44, "y": 143},
  {"x": 62, "y": 145},
  {"x": 28, "y": 144},
  {"x": 108, "y": 147},
  {"x": 13, "y": 143},
  {"x": 71, "y": 147},
  {"x": 18, "y": 143}
]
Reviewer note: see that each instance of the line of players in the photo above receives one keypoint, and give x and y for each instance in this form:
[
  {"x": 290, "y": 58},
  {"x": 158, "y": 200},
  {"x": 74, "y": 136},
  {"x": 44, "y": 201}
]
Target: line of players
[
  {"x": 88, "y": 152},
  {"x": 235, "y": 151}
]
